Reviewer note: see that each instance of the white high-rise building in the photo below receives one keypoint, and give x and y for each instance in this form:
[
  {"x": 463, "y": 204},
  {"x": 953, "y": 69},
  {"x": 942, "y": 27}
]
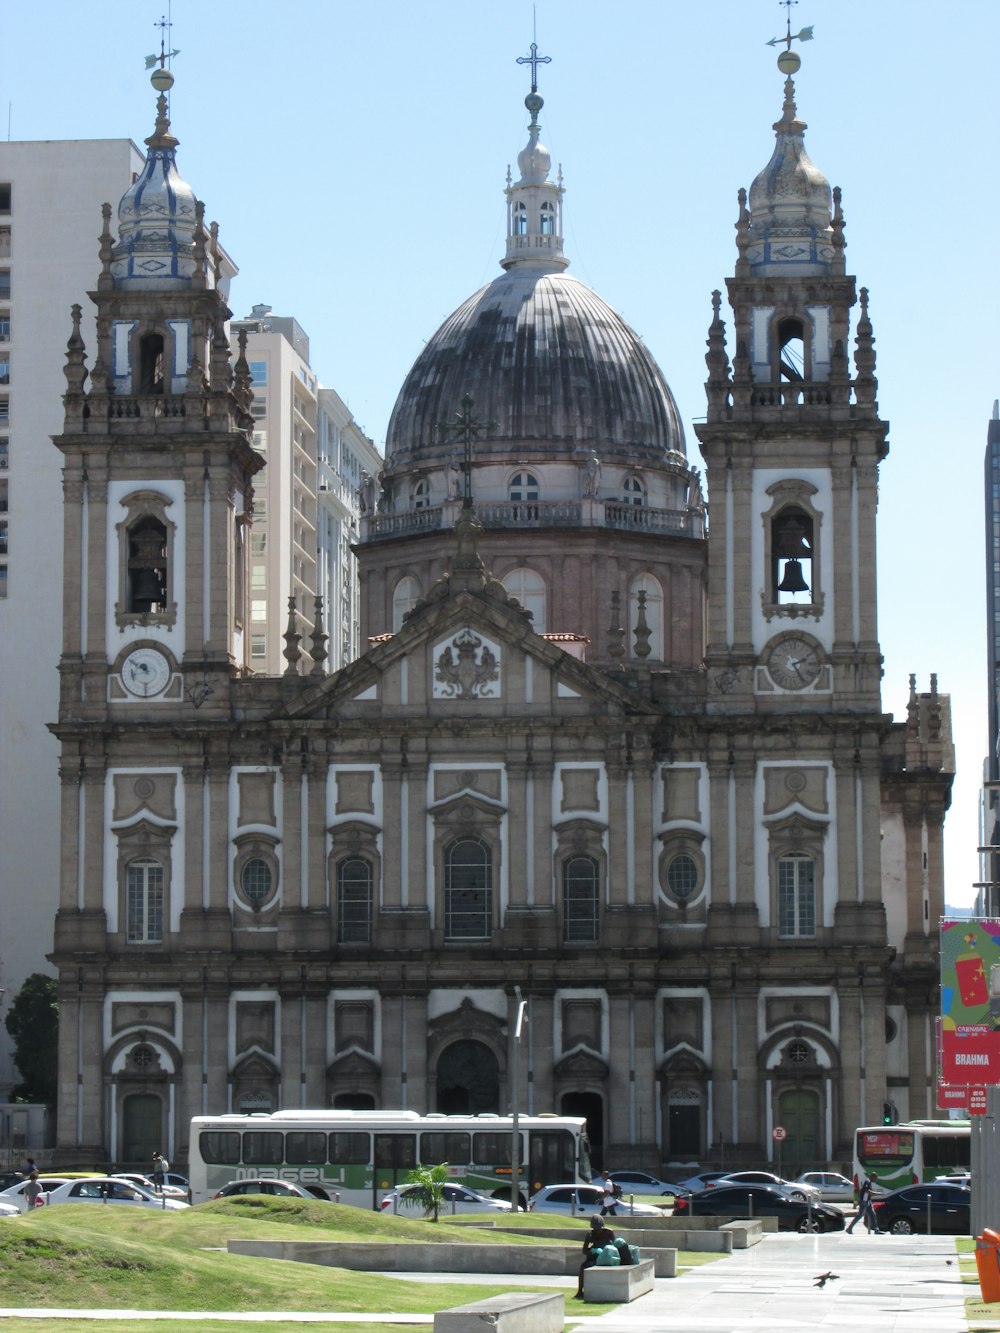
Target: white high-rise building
[
  {"x": 305, "y": 500},
  {"x": 51, "y": 193}
]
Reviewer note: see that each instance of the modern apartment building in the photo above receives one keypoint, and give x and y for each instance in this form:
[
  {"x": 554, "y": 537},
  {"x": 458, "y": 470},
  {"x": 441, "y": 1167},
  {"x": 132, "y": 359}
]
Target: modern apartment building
[
  {"x": 306, "y": 499},
  {"x": 51, "y": 194}
]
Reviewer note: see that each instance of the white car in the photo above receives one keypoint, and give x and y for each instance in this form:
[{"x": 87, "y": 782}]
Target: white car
[
  {"x": 454, "y": 1199},
  {"x": 15, "y": 1194},
  {"x": 795, "y": 1189},
  {"x": 108, "y": 1189},
  {"x": 144, "y": 1182},
  {"x": 832, "y": 1186},
  {"x": 641, "y": 1182},
  {"x": 585, "y": 1200},
  {"x": 9, "y": 1209}
]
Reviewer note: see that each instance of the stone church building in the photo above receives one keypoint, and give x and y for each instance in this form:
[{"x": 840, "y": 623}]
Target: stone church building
[{"x": 601, "y": 747}]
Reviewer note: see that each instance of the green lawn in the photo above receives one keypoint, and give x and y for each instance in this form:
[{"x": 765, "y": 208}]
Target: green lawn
[{"x": 86, "y": 1257}]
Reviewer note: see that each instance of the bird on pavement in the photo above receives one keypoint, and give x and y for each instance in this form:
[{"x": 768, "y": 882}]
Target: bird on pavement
[{"x": 823, "y": 1278}]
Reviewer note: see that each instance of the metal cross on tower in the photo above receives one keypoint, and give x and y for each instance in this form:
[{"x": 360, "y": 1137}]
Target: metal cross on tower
[
  {"x": 534, "y": 60},
  {"x": 466, "y": 427}
]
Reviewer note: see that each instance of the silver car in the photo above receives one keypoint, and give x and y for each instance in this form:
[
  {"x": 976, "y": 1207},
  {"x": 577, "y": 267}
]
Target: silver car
[
  {"x": 585, "y": 1200},
  {"x": 832, "y": 1186},
  {"x": 109, "y": 1190},
  {"x": 402, "y": 1199}
]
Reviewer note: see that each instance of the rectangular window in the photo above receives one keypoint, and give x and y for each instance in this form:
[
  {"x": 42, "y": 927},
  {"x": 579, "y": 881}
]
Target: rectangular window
[
  {"x": 220, "y": 1148},
  {"x": 6, "y": 193},
  {"x": 796, "y": 897},
  {"x": 453, "y": 1148},
  {"x": 4, "y": 369},
  {"x": 395, "y": 1151},
  {"x": 3, "y": 581},
  {"x": 258, "y": 578},
  {"x": 258, "y": 608},
  {"x": 262, "y": 1147},
  {"x": 580, "y": 899},
  {"x": 4, "y": 409},
  {"x": 144, "y": 902},
  {"x": 258, "y": 372},
  {"x": 4, "y": 484},
  {"x": 258, "y": 645},
  {"x": 307, "y": 1148},
  {"x": 4, "y": 284},
  {"x": 349, "y": 1148},
  {"x": 468, "y": 914},
  {"x": 3, "y": 537},
  {"x": 4, "y": 328},
  {"x": 4, "y": 242},
  {"x": 492, "y": 1149},
  {"x": 258, "y": 542},
  {"x": 258, "y": 408},
  {"x": 260, "y": 441}
]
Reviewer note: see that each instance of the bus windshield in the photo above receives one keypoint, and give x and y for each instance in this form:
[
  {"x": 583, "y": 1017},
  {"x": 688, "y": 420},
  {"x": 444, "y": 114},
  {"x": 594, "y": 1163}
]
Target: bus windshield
[{"x": 885, "y": 1148}]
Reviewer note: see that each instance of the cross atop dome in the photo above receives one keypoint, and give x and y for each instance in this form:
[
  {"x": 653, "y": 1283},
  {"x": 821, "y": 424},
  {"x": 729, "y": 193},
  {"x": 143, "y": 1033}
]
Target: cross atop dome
[{"x": 534, "y": 203}]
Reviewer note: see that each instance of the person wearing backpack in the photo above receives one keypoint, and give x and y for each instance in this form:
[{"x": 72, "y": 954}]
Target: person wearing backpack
[
  {"x": 597, "y": 1237},
  {"x": 612, "y": 1193}
]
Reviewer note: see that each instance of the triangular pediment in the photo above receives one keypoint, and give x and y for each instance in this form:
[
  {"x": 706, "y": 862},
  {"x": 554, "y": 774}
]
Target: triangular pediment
[
  {"x": 459, "y": 655},
  {"x": 581, "y": 1064}
]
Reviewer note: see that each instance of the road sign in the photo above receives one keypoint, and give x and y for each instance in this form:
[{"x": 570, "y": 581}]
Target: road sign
[
  {"x": 977, "y": 1101},
  {"x": 779, "y": 1133}
]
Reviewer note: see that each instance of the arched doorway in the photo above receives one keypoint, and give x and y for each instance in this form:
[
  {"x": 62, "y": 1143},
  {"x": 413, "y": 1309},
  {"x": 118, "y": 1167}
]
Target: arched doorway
[
  {"x": 798, "y": 1113},
  {"x": 468, "y": 1079},
  {"x": 142, "y": 1126},
  {"x": 591, "y": 1106}
]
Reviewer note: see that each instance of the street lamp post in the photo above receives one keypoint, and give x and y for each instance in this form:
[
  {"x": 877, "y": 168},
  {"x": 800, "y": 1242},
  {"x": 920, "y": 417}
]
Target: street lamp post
[{"x": 515, "y": 1140}]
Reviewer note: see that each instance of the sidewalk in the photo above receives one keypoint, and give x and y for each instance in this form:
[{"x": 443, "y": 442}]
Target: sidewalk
[{"x": 888, "y": 1284}]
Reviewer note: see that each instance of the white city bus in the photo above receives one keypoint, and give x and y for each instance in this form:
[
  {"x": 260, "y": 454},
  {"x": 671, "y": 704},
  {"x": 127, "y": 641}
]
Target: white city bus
[
  {"x": 355, "y": 1156},
  {"x": 911, "y": 1153}
]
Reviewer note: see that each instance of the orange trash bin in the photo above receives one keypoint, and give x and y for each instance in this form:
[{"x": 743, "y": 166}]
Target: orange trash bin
[{"x": 988, "y": 1264}]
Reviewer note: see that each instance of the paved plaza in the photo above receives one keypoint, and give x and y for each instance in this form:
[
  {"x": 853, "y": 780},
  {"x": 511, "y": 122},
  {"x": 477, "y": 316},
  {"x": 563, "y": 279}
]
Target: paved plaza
[{"x": 886, "y": 1284}]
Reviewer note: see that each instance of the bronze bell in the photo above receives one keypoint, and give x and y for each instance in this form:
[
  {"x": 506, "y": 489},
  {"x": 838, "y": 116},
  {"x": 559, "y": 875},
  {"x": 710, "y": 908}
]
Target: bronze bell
[
  {"x": 147, "y": 590},
  {"x": 791, "y": 579}
]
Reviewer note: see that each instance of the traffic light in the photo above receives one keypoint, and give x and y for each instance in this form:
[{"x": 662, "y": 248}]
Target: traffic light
[{"x": 890, "y": 1116}]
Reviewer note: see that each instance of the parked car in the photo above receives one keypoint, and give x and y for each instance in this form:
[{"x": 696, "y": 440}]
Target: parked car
[
  {"x": 904, "y": 1211},
  {"x": 170, "y": 1191},
  {"x": 454, "y": 1199},
  {"x": 704, "y": 1180},
  {"x": 9, "y": 1209},
  {"x": 794, "y": 1189},
  {"x": 108, "y": 1189},
  {"x": 761, "y": 1201},
  {"x": 175, "y": 1178},
  {"x": 641, "y": 1182},
  {"x": 15, "y": 1194},
  {"x": 831, "y": 1186},
  {"x": 278, "y": 1189},
  {"x": 585, "y": 1199},
  {"x": 960, "y": 1178}
]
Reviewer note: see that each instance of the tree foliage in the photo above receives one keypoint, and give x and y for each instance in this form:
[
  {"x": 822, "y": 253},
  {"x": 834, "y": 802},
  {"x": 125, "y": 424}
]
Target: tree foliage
[
  {"x": 33, "y": 1022},
  {"x": 429, "y": 1182}
]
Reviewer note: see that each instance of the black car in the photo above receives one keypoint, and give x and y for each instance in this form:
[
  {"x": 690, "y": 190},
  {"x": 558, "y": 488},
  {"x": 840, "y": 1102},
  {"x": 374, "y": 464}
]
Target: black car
[
  {"x": 905, "y": 1211},
  {"x": 738, "y": 1201},
  {"x": 278, "y": 1189}
]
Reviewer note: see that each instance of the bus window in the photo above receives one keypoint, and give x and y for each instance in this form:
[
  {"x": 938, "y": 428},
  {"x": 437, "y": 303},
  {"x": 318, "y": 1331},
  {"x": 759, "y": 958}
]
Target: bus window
[
  {"x": 494, "y": 1147},
  {"x": 349, "y": 1149},
  {"x": 451, "y": 1146},
  {"x": 395, "y": 1151},
  {"x": 222, "y": 1148},
  {"x": 552, "y": 1155},
  {"x": 263, "y": 1149},
  {"x": 309, "y": 1149}
]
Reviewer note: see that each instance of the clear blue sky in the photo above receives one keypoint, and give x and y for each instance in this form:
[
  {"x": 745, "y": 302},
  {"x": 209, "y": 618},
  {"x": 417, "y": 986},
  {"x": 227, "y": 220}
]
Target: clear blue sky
[{"x": 354, "y": 155}]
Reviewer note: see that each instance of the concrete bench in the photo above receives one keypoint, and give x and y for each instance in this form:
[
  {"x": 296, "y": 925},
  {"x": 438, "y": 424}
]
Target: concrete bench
[
  {"x": 745, "y": 1233},
  {"x": 513, "y": 1313},
  {"x": 616, "y": 1286}
]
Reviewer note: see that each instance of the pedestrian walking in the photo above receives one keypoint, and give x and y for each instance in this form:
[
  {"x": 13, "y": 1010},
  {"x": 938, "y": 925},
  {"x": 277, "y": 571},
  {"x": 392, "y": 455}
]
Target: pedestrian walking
[{"x": 866, "y": 1211}]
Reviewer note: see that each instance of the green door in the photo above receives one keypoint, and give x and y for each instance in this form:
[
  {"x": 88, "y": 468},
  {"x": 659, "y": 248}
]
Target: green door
[
  {"x": 142, "y": 1127},
  {"x": 798, "y": 1113}
]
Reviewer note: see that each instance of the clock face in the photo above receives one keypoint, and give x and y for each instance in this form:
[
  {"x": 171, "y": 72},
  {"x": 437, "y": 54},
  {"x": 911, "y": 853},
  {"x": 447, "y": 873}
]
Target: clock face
[
  {"x": 145, "y": 672},
  {"x": 794, "y": 663}
]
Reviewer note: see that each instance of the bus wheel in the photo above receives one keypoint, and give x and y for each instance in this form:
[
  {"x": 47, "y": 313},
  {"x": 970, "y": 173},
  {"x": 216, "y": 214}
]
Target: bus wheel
[
  {"x": 901, "y": 1227},
  {"x": 809, "y": 1224}
]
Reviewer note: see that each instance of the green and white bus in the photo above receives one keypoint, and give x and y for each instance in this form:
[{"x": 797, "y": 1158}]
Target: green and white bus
[
  {"x": 355, "y": 1156},
  {"x": 911, "y": 1153}
]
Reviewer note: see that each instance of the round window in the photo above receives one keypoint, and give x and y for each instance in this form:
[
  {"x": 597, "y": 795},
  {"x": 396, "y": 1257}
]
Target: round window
[
  {"x": 256, "y": 880},
  {"x": 797, "y": 1052},
  {"x": 682, "y": 876}
]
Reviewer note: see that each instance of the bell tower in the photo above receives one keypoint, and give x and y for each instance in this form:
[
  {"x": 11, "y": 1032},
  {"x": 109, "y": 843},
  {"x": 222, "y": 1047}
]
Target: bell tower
[
  {"x": 158, "y": 463},
  {"x": 792, "y": 443}
]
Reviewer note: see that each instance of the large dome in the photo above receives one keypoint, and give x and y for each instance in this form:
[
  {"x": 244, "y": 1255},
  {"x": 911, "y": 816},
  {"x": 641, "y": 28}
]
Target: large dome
[{"x": 552, "y": 365}]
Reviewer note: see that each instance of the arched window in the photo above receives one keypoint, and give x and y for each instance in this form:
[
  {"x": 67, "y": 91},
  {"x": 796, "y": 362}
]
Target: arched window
[
  {"x": 652, "y": 609},
  {"x": 796, "y": 896},
  {"x": 421, "y": 494},
  {"x": 520, "y": 220},
  {"x": 405, "y": 596},
  {"x": 147, "y": 567},
  {"x": 633, "y": 491},
  {"x": 144, "y": 901},
  {"x": 151, "y": 363},
  {"x": 791, "y": 556},
  {"x": 581, "y": 880},
  {"x": 354, "y": 900},
  {"x": 791, "y": 350},
  {"x": 522, "y": 490},
  {"x": 529, "y": 589},
  {"x": 548, "y": 220},
  {"x": 468, "y": 890}
]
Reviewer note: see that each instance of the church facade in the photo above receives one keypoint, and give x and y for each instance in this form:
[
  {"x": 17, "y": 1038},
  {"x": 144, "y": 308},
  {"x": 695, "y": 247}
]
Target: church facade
[{"x": 628, "y": 759}]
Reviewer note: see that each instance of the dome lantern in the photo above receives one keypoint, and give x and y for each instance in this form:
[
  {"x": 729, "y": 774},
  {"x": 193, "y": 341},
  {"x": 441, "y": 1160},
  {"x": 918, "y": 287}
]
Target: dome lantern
[{"x": 534, "y": 203}]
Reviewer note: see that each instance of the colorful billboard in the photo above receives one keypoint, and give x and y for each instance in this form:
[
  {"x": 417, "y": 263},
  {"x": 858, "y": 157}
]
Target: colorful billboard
[{"x": 970, "y": 1002}]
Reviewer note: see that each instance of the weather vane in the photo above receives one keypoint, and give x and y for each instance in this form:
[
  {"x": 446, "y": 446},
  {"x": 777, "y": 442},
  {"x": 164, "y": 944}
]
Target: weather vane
[
  {"x": 803, "y": 35},
  {"x": 164, "y": 25}
]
